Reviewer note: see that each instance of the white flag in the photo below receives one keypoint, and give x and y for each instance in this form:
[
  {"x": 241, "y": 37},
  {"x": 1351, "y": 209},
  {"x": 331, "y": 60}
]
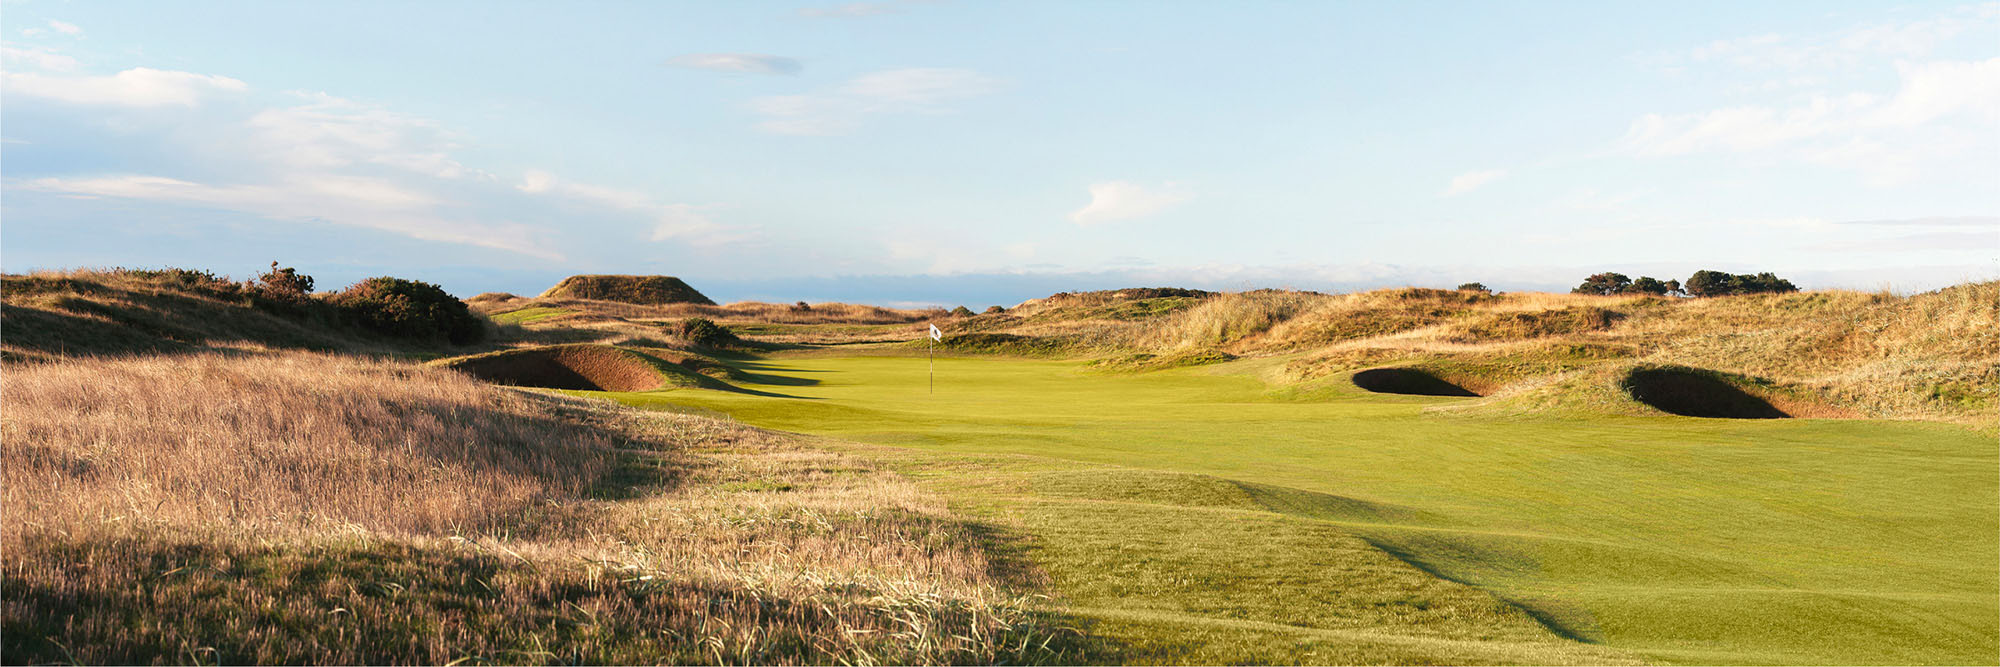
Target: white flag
[{"x": 935, "y": 334}]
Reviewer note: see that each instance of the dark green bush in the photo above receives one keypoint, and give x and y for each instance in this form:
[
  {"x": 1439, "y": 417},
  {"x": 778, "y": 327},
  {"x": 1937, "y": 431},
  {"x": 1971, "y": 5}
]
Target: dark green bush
[
  {"x": 1604, "y": 283},
  {"x": 701, "y": 331},
  {"x": 1717, "y": 283},
  {"x": 961, "y": 311},
  {"x": 410, "y": 309}
]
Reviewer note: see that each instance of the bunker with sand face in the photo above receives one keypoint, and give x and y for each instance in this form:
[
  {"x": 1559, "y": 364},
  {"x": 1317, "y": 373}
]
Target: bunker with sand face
[
  {"x": 1413, "y": 381},
  {"x": 577, "y": 367},
  {"x": 1693, "y": 393}
]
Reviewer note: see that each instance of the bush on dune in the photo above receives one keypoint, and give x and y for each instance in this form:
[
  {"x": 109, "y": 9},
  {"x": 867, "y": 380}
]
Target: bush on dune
[{"x": 410, "y": 309}]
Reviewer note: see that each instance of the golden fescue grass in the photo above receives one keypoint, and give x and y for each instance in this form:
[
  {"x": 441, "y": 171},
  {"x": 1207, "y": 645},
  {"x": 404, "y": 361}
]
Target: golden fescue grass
[
  {"x": 298, "y": 508},
  {"x": 291, "y": 439}
]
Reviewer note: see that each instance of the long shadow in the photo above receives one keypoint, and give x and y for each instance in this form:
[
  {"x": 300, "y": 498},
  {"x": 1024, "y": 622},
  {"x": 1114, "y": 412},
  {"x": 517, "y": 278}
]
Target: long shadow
[{"x": 1575, "y": 632}]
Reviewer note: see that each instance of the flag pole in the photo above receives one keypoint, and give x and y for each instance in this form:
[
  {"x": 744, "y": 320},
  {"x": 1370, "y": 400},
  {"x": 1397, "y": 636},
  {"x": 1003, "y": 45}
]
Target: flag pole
[{"x": 933, "y": 358}]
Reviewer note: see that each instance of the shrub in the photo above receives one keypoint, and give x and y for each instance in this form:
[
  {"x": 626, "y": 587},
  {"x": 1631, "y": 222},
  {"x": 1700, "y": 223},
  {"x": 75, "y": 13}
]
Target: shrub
[
  {"x": 410, "y": 309},
  {"x": 285, "y": 282},
  {"x": 995, "y": 310},
  {"x": 1648, "y": 285},
  {"x": 1717, "y": 283},
  {"x": 1474, "y": 287},
  {"x": 961, "y": 311},
  {"x": 1604, "y": 283},
  {"x": 702, "y": 331},
  {"x": 801, "y": 307}
]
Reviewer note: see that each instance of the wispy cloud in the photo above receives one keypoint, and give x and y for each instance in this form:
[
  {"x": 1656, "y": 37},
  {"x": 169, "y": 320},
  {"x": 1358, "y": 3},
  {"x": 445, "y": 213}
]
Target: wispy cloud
[
  {"x": 855, "y": 9},
  {"x": 136, "y": 87},
  {"x": 1935, "y": 221},
  {"x": 745, "y": 63},
  {"x": 898, "y": 91},
  {"x": 1124, "y": 200},
  {"x": 36, "y": 58},
  {"x": 1470, "y": 181},
  {"x": 66, "y": 28},
  {"x": 670, "y": 222},
  {"x": 1940, "y": 109},
  {"x": 1796, "y": 54},
  {"x": 346, "y": 200}
]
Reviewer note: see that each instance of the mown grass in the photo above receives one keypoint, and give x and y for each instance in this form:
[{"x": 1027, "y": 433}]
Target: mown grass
[
  {"x": 312, "y": 509},
  {"x": 529, "y": 315},
  {"x": 1671, "y": 538}
]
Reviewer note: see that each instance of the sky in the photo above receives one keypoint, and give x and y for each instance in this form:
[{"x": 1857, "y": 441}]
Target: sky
[{"x": 943, "y": 152}]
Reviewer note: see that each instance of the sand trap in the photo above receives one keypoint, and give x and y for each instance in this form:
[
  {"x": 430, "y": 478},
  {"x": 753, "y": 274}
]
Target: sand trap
[
  {"x": 588, "y": 367},
  {"x": 1407, "y": 381},
  {"x": 1692, "y": 393}
]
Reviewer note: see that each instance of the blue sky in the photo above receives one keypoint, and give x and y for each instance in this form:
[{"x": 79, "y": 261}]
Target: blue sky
[{"x": 950, "y": 151}]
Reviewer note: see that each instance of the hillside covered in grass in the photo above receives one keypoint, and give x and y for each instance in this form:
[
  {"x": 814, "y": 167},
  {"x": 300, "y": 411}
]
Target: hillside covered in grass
[
  {"x": 1817, "y": 354},
  {"x": 301, "y": 508},
  {"x": 114, "y": 312}
]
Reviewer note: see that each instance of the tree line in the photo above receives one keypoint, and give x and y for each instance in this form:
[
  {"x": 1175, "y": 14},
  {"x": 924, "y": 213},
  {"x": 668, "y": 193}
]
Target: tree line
[{"x": 1702, "y": 283}]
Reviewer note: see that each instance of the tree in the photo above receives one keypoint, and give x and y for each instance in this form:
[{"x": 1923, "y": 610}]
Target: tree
[
  {"x": 1674, "y": 287},
  {"x": 1648, "y": 285},
  {"x": 1604, "y": 283},
  {"x": 1474, "y": 287},
  {"x": 1710, "y": 283},
  {"x": 1767, "y": 282},
  {"x": 1717, "y": 283}
]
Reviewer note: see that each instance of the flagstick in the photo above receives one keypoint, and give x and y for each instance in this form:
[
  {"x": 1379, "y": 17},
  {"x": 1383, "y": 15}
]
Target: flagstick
[{"x": 933, "y": 358}]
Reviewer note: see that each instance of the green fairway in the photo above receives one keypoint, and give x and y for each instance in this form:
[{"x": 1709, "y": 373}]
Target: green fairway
[{"x": 1661, "y": 538}]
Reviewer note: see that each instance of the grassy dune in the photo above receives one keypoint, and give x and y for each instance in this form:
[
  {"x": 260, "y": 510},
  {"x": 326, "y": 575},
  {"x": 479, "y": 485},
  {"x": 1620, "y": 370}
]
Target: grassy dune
[
  {"x": 312, "y": 509},
  {"x": 1673, "y": 538}
]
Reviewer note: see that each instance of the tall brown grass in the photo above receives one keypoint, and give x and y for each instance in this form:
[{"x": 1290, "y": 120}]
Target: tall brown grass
[
  {"x": 295, "y": 508},
  {"x": 295, "y": 439}
]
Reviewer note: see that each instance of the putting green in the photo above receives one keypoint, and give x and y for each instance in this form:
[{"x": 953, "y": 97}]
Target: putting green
[{"x": 1676, "y": 538}]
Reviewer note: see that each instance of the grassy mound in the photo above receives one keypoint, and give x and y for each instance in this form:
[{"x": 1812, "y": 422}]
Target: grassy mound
[
  {"x": 582, "y": 366},
  {"x": 642, "y": 290},
  {"x": 1692, "y": 392},
  {"x": 308, "y": 509},
  {"x": 1414, "y": 381}
]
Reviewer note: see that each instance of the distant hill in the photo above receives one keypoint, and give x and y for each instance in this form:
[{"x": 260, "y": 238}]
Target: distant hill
[{"x": 641, "y": 290}]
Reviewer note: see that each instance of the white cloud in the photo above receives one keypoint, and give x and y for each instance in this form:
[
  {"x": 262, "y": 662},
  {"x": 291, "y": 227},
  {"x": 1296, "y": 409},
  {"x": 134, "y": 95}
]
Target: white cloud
[
  {"x": 330, "y": 133},
  {"x": 338, "y": 199},
  {"x": 1124, "y": 200},
  {"x": 1915, "y": 38},
  {"x": 1470, "y": 181},
  {"x": 37, "y": 58},
  {"x": 136, "y": 87},
  {"x": 1935, "y": 221},
  {"x": 66, "y": 28},
  {"x": 1940, "y": 110},
  {"x": 749, "y": 63},
  {"x": 671, "y": 222},
  {"x": 853, "y": 10},
  {"x": 840, "y": 110}
]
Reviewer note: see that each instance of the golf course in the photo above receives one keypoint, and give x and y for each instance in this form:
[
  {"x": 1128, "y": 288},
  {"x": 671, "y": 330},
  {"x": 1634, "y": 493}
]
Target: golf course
[{"x": 1207, "y": 509}]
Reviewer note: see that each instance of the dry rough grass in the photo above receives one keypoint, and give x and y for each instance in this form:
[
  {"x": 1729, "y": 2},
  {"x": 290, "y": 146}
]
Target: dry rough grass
[{"x": 299, "y": 508}]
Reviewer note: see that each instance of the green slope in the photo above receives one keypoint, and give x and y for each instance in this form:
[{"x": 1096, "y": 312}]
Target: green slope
[{"x": 1678, "y": 539}]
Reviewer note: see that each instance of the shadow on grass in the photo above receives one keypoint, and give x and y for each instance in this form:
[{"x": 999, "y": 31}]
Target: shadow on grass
[{"x": 1566, "y": 625}]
